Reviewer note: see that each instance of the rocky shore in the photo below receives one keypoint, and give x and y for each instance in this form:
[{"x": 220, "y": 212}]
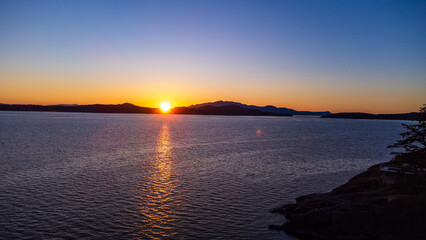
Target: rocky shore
[{"x": 388, "y": 201}]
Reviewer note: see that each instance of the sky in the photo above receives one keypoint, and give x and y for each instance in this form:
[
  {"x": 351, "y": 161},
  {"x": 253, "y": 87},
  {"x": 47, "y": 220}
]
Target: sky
[{"x": 341, "y": 56}]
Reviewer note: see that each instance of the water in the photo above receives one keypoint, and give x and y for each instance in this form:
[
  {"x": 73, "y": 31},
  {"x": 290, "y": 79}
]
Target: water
[{"x": 135, "y": 176}]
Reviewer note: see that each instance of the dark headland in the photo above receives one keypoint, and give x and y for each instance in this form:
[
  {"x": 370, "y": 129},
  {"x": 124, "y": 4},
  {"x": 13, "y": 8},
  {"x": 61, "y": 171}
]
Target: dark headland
[
  {"x": 400, "y": 116},
  {"x": 388, "y": 201}
]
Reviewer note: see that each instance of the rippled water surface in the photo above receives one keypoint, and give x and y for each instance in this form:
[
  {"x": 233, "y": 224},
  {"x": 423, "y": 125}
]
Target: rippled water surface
[{"x": 135, "y": 176}]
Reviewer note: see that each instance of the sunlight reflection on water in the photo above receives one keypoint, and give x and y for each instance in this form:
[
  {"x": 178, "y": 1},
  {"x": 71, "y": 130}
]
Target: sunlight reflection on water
[{"x": 157, "y": 193}]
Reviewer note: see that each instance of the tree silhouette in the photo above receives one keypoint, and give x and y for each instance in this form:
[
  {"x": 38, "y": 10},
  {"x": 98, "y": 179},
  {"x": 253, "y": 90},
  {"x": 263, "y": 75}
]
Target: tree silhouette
[{"x": 414, "y": 138}]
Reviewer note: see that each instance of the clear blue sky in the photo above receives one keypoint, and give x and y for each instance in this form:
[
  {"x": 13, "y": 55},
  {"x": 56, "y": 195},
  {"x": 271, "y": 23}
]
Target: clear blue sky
[{"x": 309, "y": 55}]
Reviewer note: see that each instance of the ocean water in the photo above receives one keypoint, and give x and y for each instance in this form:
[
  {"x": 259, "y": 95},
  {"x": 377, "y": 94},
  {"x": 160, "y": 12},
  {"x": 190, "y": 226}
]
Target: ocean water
[{"x": 136, "y": 176}]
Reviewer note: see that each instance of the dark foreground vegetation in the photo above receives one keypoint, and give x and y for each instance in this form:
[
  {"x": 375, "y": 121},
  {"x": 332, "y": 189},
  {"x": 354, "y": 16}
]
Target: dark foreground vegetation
[{"x": 388, "y": 201}]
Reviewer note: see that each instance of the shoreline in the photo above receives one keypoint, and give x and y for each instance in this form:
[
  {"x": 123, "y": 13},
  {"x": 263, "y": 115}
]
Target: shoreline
[{"x": 387, "y": 201}]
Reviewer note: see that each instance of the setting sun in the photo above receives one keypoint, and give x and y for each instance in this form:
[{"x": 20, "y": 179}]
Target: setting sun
[{"x": 165, "y": 106}]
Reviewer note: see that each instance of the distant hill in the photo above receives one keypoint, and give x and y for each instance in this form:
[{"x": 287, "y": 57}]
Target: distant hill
[
  {"x": 130, "y": 108},
  {"x": 266, "y": 109},
  {"x": 401, "y": 116},
  {"x": 232, "y": 109},
  {"x": 64, "y": 105},
  {"x": 95, "y": 108}
]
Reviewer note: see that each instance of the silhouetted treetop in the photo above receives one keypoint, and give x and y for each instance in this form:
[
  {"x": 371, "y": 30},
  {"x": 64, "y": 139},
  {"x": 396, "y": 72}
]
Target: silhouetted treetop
[{"x": 414, "y": 139}]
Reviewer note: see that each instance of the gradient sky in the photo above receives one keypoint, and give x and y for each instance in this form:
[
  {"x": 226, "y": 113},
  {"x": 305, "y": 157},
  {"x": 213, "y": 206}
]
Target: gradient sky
[{"x": 339, "y": 56}]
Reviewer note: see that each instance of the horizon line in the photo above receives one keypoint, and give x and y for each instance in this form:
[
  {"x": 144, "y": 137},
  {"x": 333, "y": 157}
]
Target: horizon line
[{"x": 75, "y": 104}]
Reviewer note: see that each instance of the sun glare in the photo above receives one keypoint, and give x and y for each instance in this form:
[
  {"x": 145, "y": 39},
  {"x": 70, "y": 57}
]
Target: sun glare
[{"x": 165, "y": 106}]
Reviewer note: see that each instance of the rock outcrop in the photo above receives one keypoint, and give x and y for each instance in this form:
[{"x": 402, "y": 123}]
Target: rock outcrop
[{"x": 388, "y": 201}]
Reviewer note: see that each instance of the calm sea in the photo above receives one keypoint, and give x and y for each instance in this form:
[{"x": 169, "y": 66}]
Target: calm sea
[{"x": 136, "y": 176}]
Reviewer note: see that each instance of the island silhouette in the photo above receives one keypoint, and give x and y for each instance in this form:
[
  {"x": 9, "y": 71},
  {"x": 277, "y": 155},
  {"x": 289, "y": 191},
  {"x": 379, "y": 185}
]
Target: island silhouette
[
  {"x": 231, "y": 109},
  {"x": 209, "y": 108}
]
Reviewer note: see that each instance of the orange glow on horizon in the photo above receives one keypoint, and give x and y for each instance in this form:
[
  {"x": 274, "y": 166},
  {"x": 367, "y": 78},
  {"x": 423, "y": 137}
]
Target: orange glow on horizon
[{"x": 44, "y": 89}]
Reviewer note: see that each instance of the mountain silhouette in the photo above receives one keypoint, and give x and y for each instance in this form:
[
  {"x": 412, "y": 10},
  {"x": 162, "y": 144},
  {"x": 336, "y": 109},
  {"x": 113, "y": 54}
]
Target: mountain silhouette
[
  {"x": 130, "y": 108},
  {"x": 94, "y": 108},
  {"x": 267, "y": 109},
  {"x": 210, "y": 108},
  {"x": 232, "y": 109}
]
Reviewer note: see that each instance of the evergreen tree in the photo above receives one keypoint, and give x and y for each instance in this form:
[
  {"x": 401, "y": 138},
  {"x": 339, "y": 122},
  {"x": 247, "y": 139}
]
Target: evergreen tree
[{"x": 414, "y": 138}]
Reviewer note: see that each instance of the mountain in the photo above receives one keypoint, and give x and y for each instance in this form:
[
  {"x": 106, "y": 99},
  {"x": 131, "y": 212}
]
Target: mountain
[
  {"x": 232, "y": 109},
  {"x": 266, "y": 109},
  {"x": 400, "y": 116}
]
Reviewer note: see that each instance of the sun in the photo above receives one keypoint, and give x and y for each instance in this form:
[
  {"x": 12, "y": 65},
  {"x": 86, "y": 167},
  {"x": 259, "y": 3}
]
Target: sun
[{"x": 165, "y": 106}]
